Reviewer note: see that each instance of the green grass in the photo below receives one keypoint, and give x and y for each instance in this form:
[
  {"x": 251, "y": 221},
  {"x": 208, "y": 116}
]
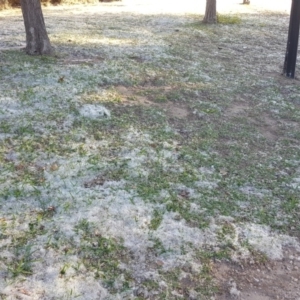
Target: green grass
[
  {"x": 22, "y": 265},
  {"x": 100, "y": 255},
  {"x": 229, "y": 19}
]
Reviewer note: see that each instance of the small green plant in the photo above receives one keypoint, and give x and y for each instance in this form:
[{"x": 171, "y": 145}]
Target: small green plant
[
  {"x": 100, "y": 254},
  {"x": 161, "y": 99},
  {"x": 84, "y": 226},
  {"x": 158, "y": 247},
  {"x": 227, "y": 231},
  {"x": 63, "y": 269},
  {"x": 291, "y": 204},
  {"x": 156, "y": 220},
  {"x": 22, "y": 264}
]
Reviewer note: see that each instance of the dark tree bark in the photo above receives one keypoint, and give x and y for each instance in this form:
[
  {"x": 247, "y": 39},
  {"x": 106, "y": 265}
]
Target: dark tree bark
[
  {"x": 293, "y": 41},
  {"x": 210, "y": 12},
  {"x": 37, "y": 40}
]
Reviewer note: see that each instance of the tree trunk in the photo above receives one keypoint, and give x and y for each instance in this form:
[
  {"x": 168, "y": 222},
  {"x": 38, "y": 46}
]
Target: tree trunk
[
  {"x": 37, "y": 40},
  {"x": 210, "y": 12}
]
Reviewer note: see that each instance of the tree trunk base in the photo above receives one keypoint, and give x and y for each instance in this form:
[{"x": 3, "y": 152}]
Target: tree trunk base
[
  {"x": 210, "y": 12},
  {"x": 37, "y": 40}
]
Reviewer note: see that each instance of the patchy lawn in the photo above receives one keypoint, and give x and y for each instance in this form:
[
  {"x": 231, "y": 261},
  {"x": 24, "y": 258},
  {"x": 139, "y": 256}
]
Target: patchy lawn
[{"x": 152, "y": 157}]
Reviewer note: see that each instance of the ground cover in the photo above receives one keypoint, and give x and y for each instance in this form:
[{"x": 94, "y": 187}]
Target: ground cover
[{"x": 152, "y": 157}]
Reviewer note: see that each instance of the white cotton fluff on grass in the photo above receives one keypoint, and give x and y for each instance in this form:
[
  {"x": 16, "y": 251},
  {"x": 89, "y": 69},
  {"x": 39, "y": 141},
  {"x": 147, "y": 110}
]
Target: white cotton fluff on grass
[
  {"x": 296, "y": 184},
  {"x": 134, "y": 135},
  {"x": 296, "y": 180},
  {"x": 140, "y": 158},
  {"x": 262, "y": 239},
  {"x": 94, "y": 111},
  {"x": 175, "y": 233},
  {"x": 10, "y": 107},
  {"x": 205, "y": 175},
  {"x": 125, "y": 217},
  {"x": 120, "y": 214},
  {"x": 250, "y": 190},
  {"x": 53, "y": 286}
]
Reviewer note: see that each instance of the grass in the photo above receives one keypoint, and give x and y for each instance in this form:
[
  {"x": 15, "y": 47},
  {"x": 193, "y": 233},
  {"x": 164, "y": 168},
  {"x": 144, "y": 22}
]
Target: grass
[
  {"x": 229, "y": 19},
  {"x": 23, "y": 262},
  {"x": 100, "y": 255},
  {"x": 198, "y": 161}
]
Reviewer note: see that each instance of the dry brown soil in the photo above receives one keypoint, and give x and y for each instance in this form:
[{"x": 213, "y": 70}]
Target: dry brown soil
[{"x": 265, "y": 281}]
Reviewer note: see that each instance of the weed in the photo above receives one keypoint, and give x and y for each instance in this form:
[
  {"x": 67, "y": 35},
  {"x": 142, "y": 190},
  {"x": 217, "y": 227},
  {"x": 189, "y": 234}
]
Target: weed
[
  {"x": 101, "y": 255},
  {"x": 158, "y": 247},
  {"x": 156, "y": 220},
  {"x": 63, "y": 269},
  {"x": 22, "y": 264}
]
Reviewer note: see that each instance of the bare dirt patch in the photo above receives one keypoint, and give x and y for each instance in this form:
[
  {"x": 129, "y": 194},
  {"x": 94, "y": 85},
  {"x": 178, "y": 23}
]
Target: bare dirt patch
[
  {"x": 268, "y": 281},
  {"x": 236, "y": 109},
  {"x": 134, "y": 96},
  {"x": 129, "y": 96},
  {"x": 176, "y": 111},
  {"x": 264, "y": 122},
  {"x": 269, "y": 128}
]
